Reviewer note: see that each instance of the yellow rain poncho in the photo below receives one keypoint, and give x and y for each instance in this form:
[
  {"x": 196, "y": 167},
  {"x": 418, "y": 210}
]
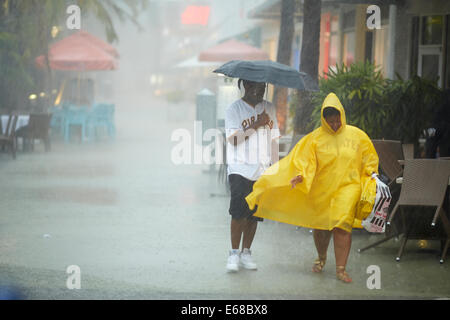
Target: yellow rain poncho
[{"x": 335, "y": 166}]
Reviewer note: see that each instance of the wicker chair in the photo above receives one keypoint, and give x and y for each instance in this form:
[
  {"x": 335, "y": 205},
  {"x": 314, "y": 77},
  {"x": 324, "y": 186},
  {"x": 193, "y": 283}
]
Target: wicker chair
[
  {"x": 389, "y": 152},
  {"x": 425, "y": 182},
  {"x": 38, "y": 128},
  {"x": 8, "y": 138},
  {"x": 408, "y": 150}
]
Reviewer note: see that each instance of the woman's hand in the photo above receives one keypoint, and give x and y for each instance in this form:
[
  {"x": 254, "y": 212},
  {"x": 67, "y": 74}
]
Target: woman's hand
[{"x": 295, "y": 180}]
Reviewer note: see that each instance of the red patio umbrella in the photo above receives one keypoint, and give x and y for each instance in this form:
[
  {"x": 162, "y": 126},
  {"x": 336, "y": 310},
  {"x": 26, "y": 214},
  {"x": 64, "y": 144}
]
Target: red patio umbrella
[
  {"x": 98, "y": 42},
  {"x": 232, "y": 50},
  {"x": 80, "y": 52}
]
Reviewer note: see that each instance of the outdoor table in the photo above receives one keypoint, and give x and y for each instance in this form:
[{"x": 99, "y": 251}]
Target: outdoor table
[
  {"x": 399, "y": 180},
  {"x": 22, "y": 121},
  {"x": 402, "y": 162}
]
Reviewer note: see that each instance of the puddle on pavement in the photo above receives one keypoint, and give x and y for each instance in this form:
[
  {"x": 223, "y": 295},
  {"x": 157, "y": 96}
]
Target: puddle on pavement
[
  {"x": 84, "y": 195},
  {"x": 67, "y": 171}
]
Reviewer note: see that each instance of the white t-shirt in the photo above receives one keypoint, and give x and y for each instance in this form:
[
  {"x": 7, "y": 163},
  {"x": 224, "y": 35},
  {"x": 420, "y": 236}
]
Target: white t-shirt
[{"x": 253, "y": 156}]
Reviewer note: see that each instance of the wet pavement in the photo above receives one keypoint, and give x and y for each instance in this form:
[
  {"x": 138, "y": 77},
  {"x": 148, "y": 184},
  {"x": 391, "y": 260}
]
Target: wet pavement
[{"x": 140, "y": 227}]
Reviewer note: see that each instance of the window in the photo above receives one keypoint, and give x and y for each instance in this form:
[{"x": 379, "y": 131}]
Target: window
[
  {"x": 430, "y": 59},
  {"x": 447, "y": 52},
  {"x": 334, "y": 45},
  {"x": 334, "y": 42},
  {"x": 348, "y": 21},
  {"x": 432, "y": 30},
  {"x": 368, "y": 54},
  {"x": 381, "y": 48},
  {"x": 413, "y": 66},
  {"x": 348, "y": 52},
  {"x": 348, "y": 37},
  {"x": 430, "y": 65}
]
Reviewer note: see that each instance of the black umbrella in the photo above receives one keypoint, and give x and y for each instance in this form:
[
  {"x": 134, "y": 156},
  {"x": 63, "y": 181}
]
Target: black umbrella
[{"x": 269, "y": 72}]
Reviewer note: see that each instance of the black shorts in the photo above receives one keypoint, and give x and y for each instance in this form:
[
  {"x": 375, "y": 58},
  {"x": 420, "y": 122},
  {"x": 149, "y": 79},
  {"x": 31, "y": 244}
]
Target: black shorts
[{"x": 241, "y": 187}]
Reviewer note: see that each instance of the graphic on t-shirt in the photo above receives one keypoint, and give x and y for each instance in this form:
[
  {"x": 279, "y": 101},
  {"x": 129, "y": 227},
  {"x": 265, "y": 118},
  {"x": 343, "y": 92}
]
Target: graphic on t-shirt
[{"x": 248, "y": 122}]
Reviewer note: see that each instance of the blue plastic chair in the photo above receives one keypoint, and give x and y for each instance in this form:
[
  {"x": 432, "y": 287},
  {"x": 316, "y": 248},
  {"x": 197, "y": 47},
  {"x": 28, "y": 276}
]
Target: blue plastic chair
[
  {"x": 101, "y": 116},
  {"x": 57, "y": 120},
  {"x": 111, "y": 123},
  {"x": 75, "y": 116}
]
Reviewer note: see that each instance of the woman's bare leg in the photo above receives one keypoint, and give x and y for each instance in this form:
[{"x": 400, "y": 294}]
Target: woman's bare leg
[
  {"x": 342, "y": 244},
  {"x": 321, "y": 240}
]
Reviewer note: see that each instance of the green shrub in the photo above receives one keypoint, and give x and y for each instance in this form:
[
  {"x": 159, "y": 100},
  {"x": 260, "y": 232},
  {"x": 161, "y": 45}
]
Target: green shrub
[{"x": 410, "y": 106}]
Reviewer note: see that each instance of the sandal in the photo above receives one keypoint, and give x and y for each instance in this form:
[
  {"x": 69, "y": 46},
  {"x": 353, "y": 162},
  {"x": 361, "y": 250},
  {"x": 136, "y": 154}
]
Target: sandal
[
  {"x": 319, "y": 264},
  {"x": 342, "y": 275}
]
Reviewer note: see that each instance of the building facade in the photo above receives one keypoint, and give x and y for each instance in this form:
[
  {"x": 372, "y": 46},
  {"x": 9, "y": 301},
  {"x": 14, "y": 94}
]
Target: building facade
[{"x": 413, "y": 37}]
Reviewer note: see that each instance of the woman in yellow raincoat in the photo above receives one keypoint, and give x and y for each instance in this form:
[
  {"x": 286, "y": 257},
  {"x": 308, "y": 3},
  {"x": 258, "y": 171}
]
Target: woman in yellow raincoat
[{"x": 318, "y": 184}]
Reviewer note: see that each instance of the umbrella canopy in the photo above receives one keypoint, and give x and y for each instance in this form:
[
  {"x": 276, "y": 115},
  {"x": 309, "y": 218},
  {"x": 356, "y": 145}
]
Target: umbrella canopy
[
  {"x": 269, "y": 72},
  {"x": 80, "y": 52},
  {"x": 232, "y": 50},
  {"x": 98, "y": 42}
]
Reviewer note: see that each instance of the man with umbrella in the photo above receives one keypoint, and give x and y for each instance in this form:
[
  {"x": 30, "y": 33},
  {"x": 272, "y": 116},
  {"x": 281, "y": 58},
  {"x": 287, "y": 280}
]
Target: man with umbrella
[{"x": 251, "y": 129}]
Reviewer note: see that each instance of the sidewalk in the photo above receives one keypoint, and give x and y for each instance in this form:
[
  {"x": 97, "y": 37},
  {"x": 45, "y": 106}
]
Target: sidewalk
[{"x": 140, "y": 227}]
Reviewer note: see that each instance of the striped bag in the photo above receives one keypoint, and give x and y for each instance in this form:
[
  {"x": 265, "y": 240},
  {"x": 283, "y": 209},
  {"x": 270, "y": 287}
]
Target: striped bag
[{"x": 376, "y": 221}]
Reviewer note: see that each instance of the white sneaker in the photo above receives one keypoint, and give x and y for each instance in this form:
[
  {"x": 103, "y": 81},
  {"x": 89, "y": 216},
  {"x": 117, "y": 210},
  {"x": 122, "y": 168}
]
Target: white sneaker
[
  {"x": 247, "y": 261},
  {"x": 233, "y": 261}
]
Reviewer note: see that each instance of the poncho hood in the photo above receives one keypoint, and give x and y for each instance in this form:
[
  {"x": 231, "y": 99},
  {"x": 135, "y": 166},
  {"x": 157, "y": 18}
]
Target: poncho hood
[{"x": 333, "y": 101}]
